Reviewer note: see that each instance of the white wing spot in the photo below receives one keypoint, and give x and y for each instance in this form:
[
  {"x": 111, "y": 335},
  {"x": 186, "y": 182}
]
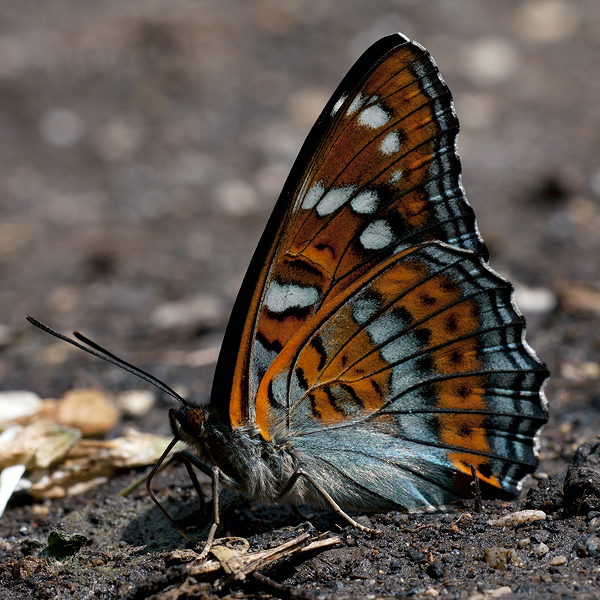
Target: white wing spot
[
  {"x": 374, "y": 117},
  {"x": 335, "y": 198},
  {"x": 338, "y": 104},
  {"x": 261, "y": 360},
  {"x": 365, "y": 203},
  {"x": 355, "y": 104},
  {"x": 395, "y": 349},
  {"x": 385, "y": 328},
  {"x": 377, "y": 235},
  {"x": 396, "y": 176},
  {"x": 364, "y": 309},
  {"x": 281, "y": 297},
  {"x": 313, "y": 196},
  {"x": 390, "y": 143}
]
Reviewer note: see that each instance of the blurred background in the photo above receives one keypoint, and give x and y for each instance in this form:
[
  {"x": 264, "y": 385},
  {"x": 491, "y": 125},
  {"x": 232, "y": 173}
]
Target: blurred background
[{"x": 143, "y": 144}]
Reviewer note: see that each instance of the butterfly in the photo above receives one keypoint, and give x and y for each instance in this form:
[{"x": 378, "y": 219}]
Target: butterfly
[{"x": 373, "y": 360}]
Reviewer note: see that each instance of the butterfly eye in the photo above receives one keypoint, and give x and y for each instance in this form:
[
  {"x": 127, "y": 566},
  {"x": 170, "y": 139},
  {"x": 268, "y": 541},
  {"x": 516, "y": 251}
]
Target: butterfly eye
[{"x": 193, "y": 422}]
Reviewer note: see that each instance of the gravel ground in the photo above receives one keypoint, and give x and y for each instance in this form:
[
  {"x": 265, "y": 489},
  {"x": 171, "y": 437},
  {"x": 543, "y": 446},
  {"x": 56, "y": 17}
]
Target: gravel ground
[{"x": 143, "y": 146}]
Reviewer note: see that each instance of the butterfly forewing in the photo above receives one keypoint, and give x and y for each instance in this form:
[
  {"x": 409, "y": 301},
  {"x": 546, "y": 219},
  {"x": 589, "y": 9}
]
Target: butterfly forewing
[{"x": 378, "y": 171}]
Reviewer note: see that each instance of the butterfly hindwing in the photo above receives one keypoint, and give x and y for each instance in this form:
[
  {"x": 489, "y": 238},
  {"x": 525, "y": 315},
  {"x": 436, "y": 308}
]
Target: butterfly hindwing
[
  {"x": 420, "y": 370},
  {"x": 379, "y": 170}
]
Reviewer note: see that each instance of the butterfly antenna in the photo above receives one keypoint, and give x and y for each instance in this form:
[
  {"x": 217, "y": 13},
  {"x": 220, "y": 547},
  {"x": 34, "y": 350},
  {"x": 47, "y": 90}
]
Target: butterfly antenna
[{"x": 107, "y": 356}]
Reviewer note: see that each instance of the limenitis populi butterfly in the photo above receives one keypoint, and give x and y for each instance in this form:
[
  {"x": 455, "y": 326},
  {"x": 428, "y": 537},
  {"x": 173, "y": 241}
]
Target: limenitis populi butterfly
[{"x": 372, "y": 359}]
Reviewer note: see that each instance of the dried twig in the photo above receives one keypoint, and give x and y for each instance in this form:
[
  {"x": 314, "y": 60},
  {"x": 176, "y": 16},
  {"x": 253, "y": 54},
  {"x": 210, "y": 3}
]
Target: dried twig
[{"x": 252, "y": 561}]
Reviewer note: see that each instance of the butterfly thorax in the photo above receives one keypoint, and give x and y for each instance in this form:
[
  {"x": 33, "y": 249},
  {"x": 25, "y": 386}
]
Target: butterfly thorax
[{"x": 248, "y": 463}]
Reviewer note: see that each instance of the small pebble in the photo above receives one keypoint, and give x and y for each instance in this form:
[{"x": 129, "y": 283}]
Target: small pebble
[
  {"x": 118, "y": 139},
  {"x": 535, "y": 300},
  {"x": 194, "y": 311},
  {"x": 499, "y": 558},
  {"x": 523, "y": 543},
  {"x": 17, "y": 404},
  {"x": 495, "y": 593},
  {"x": 89, "y": 410},
  {"x": 581, "y": 491},
  {"x": 436, "y": 570},
  {"x": 415, "y": 556},
  {"x": 516, "y": 518},
  {"x": 364, "y": 521},
  {"x": 588, "y": 546},
  {"x": 432, "y": 592},
  {"x": 136, "y": 402},
  {"x": 539, "y": 535},
  {"x": 395, "y": 566},
  {"x": 580, "y": 372},
  {"x": 557, "y": 561},
  {"x": 547, "y": 21},
  {"x": 61, "y": 127},
  {"x": 491, "y": 60},
  {"x": 540, "y": 549},
  {"x": 40, "y": 510},
  {"x": 403, "y": 519},
  {"x": 236, "y": 197},
  {"x": 593, "y": 525},
  {"x": 7, "y": 334}
]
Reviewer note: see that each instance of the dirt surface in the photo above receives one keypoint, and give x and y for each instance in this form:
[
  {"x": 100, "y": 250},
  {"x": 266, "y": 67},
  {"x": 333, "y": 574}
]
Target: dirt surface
[{"x": 143, "y": 146}]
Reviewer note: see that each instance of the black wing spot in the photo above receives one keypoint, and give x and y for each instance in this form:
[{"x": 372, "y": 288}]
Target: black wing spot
[
  {"x": 465, "y": 430},
  {"x": 313, "y": 407},
  {"x": 355, "y": 397},
  {"x": 273, "y": 346},
  {"x": 326, "y": 247},
  {"x": 428, "y": 300},
  {"x": 317, "y": 345},
  {"x": 449, "y": 286},
  {"x": 463, "y": 391},
  {"x": 301, "y": 268},
  {"x": 425, "y": 364},
  {"x": 457, "y": 357},
  {"x": 452, "y": 323},
  {"x": 301, "y": 378},
  {"x": 423, "y": 336}
]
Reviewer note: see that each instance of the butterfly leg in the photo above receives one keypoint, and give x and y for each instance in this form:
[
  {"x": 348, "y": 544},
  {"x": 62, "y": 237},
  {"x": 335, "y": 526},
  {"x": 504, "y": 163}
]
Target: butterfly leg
[
  {"x": 214, "y": 474},
  {"x": 216, "y": 518},
  {"x": 194, "y": 479},
  {"x": 332, "y": 503}
]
